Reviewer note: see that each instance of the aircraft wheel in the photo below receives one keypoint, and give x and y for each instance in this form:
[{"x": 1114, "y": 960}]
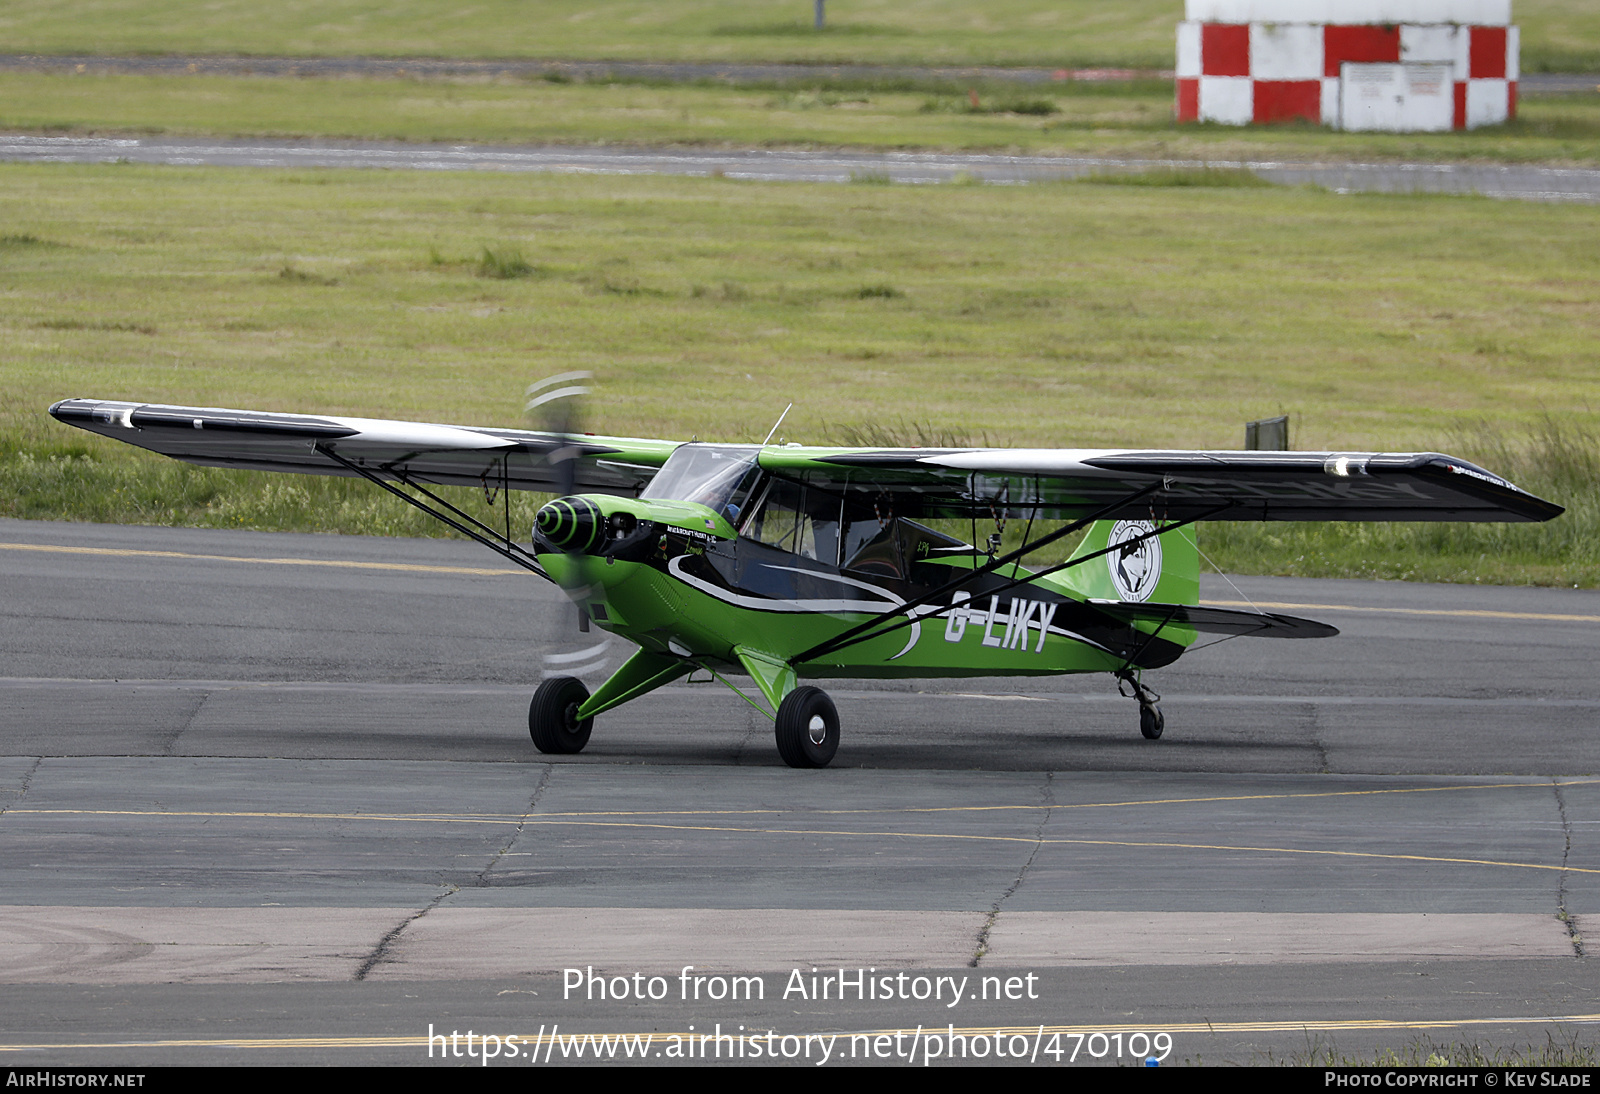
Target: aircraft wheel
[
  {"x": 552, "y": 716},
  {"x": 807, "y": 728},
  {"x": 1151, "y": 722}
]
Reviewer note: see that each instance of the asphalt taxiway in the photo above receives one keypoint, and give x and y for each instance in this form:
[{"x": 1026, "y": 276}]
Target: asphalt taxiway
[
  {"x": 1513, "y": 181},
  {"x": 271, "y": 798}
]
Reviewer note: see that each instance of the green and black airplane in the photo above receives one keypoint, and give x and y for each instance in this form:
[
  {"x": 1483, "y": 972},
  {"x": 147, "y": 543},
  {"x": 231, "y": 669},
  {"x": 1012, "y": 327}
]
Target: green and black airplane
[{"x": 787, "y": 564}]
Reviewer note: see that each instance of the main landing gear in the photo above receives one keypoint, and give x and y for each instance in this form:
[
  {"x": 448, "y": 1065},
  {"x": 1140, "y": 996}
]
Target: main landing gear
[
  {"x": 1151, "y": 721},
  {"x": 807, "y": 725},
  {"x": 807, "y": 728},
  {"x": 553, "y": 716}
]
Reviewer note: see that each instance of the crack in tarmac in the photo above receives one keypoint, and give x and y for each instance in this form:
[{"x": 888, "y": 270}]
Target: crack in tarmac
[
  {"x": 1566, "y": 917},
  {"x": 22, "y": 787},
  {"x": 1314, "y": 724},
  {"x": 743, "y": 745},
  {"x": 167, "y": 747},
  {"x": 380, "y": 952},
  {"x": 994, "y": 912}
]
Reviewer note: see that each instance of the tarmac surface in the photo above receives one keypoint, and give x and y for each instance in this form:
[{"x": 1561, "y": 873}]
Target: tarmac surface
[
  {"x": 1514, "y": 181},
  {"x": 270, "y": 798}
]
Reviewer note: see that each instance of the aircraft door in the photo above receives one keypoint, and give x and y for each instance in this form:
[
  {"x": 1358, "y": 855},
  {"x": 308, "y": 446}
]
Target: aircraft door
[{"x": 796, "y": 519}]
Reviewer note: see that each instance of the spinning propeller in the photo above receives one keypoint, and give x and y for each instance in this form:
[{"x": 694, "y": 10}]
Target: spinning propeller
[{"x": 556, "y": 404}]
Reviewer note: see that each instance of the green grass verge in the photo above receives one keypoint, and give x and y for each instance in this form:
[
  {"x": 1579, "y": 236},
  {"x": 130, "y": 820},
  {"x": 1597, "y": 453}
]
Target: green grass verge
[
  {"x": 1064, "y": 314},
  {"x": 1011, "y": 32},
  {"x": 1557, "y": 35},
  {"x": 1563, "y": 1049},
  {"x": 1234, "y": 177},
  {"x": 1092, "y": 119}
]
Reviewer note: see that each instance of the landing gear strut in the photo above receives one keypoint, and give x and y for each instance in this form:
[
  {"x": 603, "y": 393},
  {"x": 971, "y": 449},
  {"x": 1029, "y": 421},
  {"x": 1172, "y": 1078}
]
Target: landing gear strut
[{"x": 1151, "y": 721}]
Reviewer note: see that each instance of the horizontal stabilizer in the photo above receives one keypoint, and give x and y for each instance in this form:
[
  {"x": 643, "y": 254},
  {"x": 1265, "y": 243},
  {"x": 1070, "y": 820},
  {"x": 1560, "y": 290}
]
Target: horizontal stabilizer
[{"x": 1216, "y": 620}]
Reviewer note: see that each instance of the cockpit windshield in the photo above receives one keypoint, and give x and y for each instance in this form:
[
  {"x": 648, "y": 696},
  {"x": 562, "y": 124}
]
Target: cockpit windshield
[{"x": 719, "y": 476}]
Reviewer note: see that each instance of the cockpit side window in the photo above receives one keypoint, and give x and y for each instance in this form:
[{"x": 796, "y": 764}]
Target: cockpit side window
[
  {"x": 870, "y": 542},
  {"x": 888, "y": 546},
  {"x": 795, "y": 518}
]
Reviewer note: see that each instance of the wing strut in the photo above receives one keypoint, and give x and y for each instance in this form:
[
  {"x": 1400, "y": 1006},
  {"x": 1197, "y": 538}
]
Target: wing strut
[
  {"x": 491, "y": 538},
  {"x": 850, "y": 637}
]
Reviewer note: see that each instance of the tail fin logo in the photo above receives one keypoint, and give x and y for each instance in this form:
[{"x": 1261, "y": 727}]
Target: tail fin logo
[{"x": 1136, "y": 567}]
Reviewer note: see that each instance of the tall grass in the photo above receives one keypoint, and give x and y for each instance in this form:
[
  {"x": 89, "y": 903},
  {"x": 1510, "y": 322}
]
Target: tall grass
[
  {"x": 1236, "y": 177},
  {"x": 973, "y": 103},
  {"x": 1566, "y": 1050},
  {"x": 505, "y": 264}
]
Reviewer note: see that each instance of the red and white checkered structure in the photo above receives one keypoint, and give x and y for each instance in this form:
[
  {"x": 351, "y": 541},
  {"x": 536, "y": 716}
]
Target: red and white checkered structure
[{"x": 1255, "y": 61}]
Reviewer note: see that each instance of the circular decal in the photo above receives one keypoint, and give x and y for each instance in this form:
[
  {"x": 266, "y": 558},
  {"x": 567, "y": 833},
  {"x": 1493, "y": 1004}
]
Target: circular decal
[{"x": 1136, "y": 568}]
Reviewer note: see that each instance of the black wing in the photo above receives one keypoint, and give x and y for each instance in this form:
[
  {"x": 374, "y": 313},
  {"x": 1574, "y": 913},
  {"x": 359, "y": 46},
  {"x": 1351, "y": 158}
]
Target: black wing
[
  {"x": 1069, "y": 483},
  {"x": 419, "y": 451}
]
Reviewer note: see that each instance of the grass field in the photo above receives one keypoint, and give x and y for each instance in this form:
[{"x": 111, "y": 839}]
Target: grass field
[
  {"x": 1557, "y": 35},
  {"x": 1069, "y": 314},
  {"x": 1119, "y": 119}
]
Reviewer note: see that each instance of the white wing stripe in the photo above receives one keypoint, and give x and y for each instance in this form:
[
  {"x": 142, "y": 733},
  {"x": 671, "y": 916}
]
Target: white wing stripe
[{"x": 418, "y": 434}]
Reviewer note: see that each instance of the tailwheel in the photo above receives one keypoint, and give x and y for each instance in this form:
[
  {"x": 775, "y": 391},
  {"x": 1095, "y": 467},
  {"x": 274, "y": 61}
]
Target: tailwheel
[
  {"x": 553, "y": 716},
  {"x": 1151, "y": 721},
  {"x": 807, "y": 728}
]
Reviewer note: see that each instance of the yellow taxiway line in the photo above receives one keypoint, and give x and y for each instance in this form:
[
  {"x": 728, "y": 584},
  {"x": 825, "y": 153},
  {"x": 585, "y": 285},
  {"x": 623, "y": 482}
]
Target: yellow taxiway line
[
  {"x": 633, "y": 820},
  {"x": 589, "y": 814},
  {"x": 476, "y": 571}
]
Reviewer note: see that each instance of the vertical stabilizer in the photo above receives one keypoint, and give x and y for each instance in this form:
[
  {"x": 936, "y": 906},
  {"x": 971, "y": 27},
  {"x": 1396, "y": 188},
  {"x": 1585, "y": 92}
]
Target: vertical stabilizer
[{"x": 1164, "y": 569}]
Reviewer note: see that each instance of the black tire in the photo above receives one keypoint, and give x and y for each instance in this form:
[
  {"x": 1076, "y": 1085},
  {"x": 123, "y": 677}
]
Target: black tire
[
  {"x": 807, "y": 728},
  {"x": 1151, "y": 722},
  {"x": 552, "y": 716}
]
